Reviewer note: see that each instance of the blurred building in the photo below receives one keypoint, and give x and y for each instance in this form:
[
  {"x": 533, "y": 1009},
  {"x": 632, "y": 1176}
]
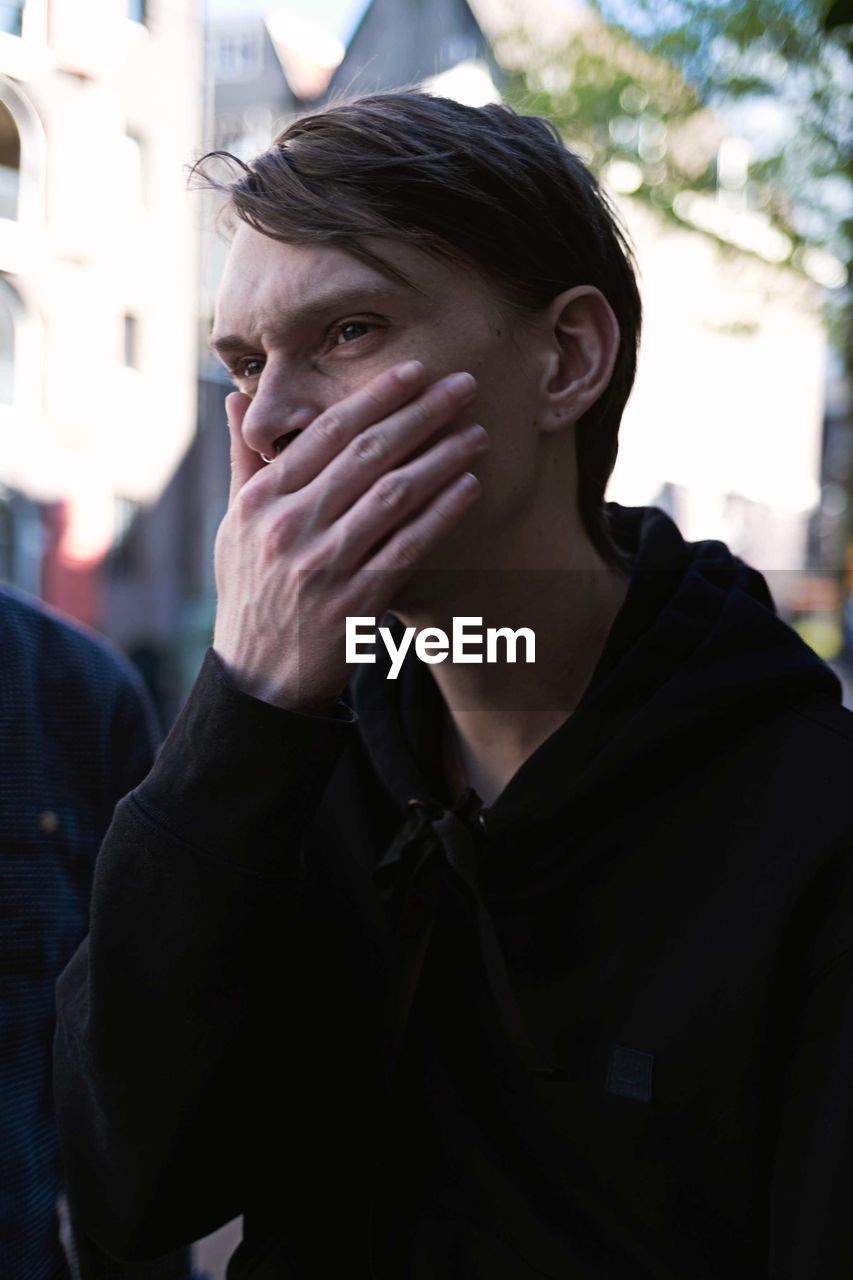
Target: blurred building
[
  {"x": 717, "y": 428},
  {"x": 725, "y": 423},
  {"x": 100, "y": 110},
  {"x": 739, "y": 423},
  {"x": 114, "y": 457},
  {"x": 720, "y": 429},
  {"x": 440, "y": 46},
  {"x": 264, "y": 71}
]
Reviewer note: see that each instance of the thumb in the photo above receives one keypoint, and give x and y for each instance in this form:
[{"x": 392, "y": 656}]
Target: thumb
[{"x": 244, "y": 461}]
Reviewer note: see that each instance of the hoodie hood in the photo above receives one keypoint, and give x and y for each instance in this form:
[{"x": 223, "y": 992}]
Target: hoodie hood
[{"x": 696, "y": 655}]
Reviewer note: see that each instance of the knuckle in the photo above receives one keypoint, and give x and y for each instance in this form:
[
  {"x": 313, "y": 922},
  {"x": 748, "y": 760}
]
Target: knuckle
[
  {"x": 369, "y": 446},
  {"x": 404, "y": 551},
  {"x": 220, "y": 543},
  {"x": 392, "y": 490},
  {"x": 313, "y": 559},
  {"x": 329, "y": 428},
  {"x": 246, "y": 502},
  {"x": 283, "y": 528},
  {"x": 424, "y": 410},
  {"x": 374, "y": 400},
  {"x": 334, "y": 549}
]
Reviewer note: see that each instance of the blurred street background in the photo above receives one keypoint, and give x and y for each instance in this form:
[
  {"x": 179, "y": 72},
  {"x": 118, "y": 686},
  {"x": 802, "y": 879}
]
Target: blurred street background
[{"x": 720, "y": 127}]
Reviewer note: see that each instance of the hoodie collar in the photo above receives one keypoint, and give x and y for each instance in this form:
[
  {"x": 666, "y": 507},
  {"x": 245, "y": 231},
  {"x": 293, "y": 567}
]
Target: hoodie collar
[{"x": 696, "y": 643}]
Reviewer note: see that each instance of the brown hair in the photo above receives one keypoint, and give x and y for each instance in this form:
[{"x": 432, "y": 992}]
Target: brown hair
[{"x": 495, "y": 188}]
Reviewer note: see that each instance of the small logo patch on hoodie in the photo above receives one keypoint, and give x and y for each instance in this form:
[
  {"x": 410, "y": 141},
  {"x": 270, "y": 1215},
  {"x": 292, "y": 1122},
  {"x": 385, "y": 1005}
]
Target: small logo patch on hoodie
[{"x": 630, "y": 1073}]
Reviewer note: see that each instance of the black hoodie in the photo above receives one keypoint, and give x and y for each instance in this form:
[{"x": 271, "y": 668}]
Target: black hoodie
[{"x": 600, "y": 1029}]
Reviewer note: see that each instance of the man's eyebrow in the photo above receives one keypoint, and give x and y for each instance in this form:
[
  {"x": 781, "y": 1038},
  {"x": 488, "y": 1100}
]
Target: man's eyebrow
[
  {"x": 337, "y": 300},
  {"x": 228, "y": 344}
]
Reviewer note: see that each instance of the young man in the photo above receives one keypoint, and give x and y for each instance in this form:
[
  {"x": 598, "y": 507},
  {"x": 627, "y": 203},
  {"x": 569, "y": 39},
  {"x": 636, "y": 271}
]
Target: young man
[{"x": 492, "y": 970}]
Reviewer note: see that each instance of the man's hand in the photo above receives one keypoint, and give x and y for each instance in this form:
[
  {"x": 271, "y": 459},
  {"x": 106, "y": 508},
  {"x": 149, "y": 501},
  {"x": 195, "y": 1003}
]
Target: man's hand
[{"x": 334, "y": 526}]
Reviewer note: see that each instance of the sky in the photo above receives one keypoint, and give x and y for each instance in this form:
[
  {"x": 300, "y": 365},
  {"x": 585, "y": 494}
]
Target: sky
[{"x": 340, "y": 16}]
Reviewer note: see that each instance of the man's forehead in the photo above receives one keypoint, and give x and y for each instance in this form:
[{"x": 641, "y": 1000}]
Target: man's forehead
[
  {"x": 262, "y": 271},
  {"x": 272, "y": 286}
]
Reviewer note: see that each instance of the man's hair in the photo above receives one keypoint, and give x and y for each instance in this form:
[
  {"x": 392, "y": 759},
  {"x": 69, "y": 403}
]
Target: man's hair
[{"x": 484, "y": 184}]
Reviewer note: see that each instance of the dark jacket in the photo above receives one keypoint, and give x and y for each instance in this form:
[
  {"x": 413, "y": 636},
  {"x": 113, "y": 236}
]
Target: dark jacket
[
  {"x": 604, "y": 1032},
  {"x": 76, "y": 733}
]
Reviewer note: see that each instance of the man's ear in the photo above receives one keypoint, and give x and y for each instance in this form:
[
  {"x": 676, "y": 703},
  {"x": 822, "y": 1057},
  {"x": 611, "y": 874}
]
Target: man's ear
[{"x": 582, "y": 334}]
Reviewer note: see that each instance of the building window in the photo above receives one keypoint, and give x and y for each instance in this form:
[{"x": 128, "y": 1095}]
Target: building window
[
  {"x": 22, "y": 155},
  {"x": 10, "y": 163},
  {"x": 137, "y": 10},
  {"x": 130, "y": 349},
  {"x": 10, "y": 17}
]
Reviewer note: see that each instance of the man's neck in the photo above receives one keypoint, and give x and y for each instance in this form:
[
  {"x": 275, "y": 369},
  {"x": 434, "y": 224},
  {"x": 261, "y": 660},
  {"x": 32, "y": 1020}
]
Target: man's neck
[{"x": 500, "y": 713}]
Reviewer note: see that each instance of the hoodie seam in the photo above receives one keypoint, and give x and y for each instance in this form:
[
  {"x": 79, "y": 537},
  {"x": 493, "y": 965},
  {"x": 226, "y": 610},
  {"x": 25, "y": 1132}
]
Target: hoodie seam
[{"x": 830, "y": 728}]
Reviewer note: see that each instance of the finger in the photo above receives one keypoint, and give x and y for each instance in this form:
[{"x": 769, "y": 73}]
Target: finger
[
  {"x": 399, "y": 437},
  {"x": 399, "y": 558},
  {"x": 330, "y": 433},
  {"x": 245, "y": 462},
  {"x": 399, "y": 494}
]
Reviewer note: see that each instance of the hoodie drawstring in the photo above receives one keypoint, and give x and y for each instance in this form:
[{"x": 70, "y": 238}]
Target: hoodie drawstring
[{"x": 409, "y": 880}]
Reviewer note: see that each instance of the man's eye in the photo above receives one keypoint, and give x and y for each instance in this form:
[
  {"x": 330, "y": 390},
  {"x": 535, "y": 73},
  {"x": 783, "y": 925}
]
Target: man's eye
[
  {"x": 249, "y": 368},
  {"x": 348, "y": 332}
]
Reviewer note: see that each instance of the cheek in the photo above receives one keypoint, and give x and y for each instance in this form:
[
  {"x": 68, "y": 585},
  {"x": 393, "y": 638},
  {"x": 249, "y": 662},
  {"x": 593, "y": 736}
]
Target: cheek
[
  {"x": 510, "y": 470},
  {"x": 508, "y": 412}
]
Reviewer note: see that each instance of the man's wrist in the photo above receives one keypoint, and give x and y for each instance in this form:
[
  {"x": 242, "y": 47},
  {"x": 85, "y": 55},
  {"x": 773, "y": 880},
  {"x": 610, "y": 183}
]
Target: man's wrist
[
  {"x": 241, "y": 777},
  {"x": 325, "y": 706}
]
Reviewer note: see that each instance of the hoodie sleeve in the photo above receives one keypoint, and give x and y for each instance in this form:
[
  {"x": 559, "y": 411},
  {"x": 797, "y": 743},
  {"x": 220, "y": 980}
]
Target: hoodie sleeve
[{"x": 165, "y": 1012}]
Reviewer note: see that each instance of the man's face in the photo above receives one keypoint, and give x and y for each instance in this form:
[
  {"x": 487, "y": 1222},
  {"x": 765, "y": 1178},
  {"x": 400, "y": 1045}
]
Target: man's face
[{"x": 312, "y": 324}]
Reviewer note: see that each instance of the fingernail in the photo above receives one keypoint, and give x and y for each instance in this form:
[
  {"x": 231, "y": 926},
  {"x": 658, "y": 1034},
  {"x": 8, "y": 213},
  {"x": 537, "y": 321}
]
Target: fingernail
[
  {"x": 467, "y": 483},
  {"x": 460, "y": 383},
  {"x": 410, "y": 371},
  {"x": 477, "y": 435}
]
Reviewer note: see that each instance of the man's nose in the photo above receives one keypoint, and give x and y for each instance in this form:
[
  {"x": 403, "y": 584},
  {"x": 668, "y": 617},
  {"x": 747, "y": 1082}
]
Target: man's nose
[{"x": 279, "y": 406}]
